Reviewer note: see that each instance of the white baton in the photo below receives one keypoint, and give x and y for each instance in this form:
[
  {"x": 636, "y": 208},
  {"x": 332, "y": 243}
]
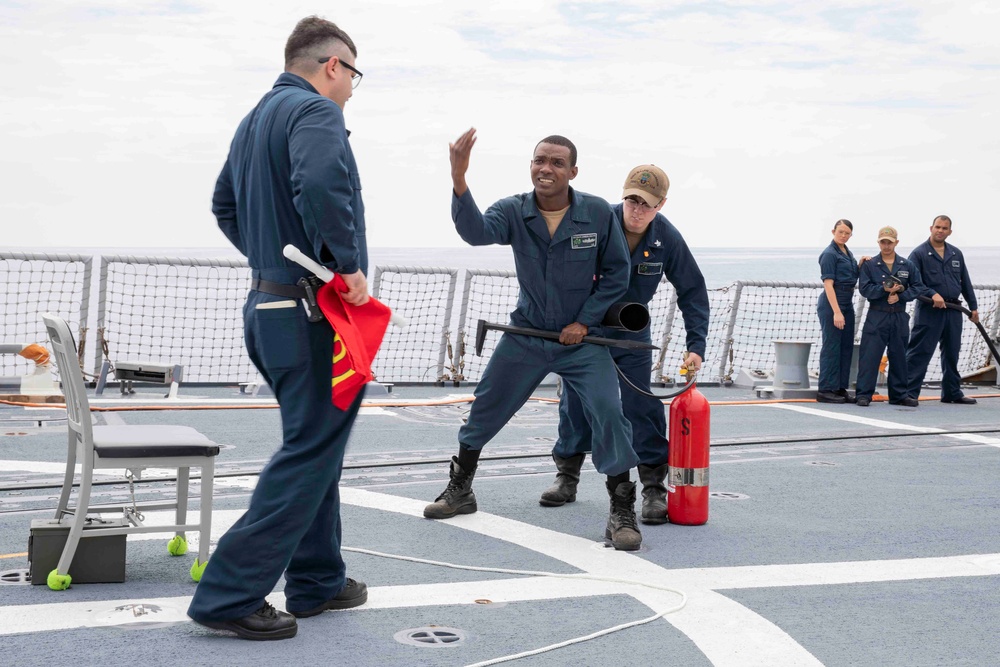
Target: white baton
[{"x": 326, "y": 275}]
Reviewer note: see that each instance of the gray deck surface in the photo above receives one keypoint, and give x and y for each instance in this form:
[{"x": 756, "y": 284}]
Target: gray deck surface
[{"x": 837, "y": 535}]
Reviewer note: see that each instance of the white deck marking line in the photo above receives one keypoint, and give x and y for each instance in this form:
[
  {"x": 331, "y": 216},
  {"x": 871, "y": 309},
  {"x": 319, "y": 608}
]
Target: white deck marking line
[
  {"x": 57, "y": 615},
  {"x": 47, "y": 467},
  {"x": 112, "y": 418},
  {"x": 848, "y": 572},
  {"x": 976, "y": 438},
  {"x": 731, "y": 635},
  {"x": 39, "y": 618},
  {"x": 726, "y": 648},
  {"x": 725, "y": 631},
  {"x": 854, "y": 419}
]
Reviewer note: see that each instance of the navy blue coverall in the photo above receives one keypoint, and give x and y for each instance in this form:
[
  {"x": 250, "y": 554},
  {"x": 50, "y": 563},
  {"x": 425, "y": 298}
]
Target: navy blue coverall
[
  {"x": 662, "y": 251},
  {"x": 290, "y": 178},
  {"x": 887, "y": 326},
  {"x": 838, "y": 344},
  {"x": 573, "y": 276},
  {"x": 949, "y": 277}
]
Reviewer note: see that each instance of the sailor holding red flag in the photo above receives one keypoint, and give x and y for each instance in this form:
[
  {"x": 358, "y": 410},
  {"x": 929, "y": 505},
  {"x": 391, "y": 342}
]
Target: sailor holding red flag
[{"x": 291, "y": 178}]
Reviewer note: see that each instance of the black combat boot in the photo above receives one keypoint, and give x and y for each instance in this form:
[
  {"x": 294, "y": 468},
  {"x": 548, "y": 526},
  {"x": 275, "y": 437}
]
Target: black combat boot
[
  {"x": 622, "y": 529},
  {"x": 654, "y": 493},
  {"x": 457, "y": 498},
  {"x": 567, "y": 477}
]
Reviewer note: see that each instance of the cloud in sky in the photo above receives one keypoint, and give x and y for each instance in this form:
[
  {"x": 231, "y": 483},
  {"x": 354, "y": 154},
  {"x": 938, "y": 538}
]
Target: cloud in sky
[{"x": 773, "y": 119}]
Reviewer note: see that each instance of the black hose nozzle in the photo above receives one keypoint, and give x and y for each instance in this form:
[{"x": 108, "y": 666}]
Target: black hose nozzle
[{"x": 627, "y": 315}]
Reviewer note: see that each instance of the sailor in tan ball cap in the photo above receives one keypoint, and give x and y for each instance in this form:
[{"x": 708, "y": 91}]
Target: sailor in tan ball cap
[
  {"x": 888, "y": 281},
  {"x": 656, "y": 249}
]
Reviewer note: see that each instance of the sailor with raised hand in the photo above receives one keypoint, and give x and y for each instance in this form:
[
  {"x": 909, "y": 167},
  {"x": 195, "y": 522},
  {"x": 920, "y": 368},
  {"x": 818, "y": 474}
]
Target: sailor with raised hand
[
  {"x": 657, "y": 249},
  {"x": 946, "y": 277},
  {"x": 572, "y": 265}
]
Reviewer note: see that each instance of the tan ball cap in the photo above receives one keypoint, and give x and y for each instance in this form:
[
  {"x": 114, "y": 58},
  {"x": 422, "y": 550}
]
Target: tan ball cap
[{"x": 648, "y": 182}]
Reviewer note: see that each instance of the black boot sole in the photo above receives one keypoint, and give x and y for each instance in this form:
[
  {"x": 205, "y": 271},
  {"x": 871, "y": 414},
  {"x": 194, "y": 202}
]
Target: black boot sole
[
  {"x": 545, "y": 502},
  {"x": 464, "y": 509},
  {"x": 254, "y": 635},
  {"x": 654, "y": 521},
  {"x": 332, "y": 605}
]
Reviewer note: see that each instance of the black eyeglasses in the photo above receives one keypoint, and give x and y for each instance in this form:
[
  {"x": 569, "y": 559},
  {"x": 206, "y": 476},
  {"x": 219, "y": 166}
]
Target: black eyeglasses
[
  {"x": 356, "y": 74},
  {"x": 639, "y": 204}
]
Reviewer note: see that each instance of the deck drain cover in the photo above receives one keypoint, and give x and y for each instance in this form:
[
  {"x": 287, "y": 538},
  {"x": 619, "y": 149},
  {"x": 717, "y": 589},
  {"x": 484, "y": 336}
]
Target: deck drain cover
[
  {"x": 15, "y": 577},
  {"x": 728, "y": 495},
  {"x": 432, "y": 636}
]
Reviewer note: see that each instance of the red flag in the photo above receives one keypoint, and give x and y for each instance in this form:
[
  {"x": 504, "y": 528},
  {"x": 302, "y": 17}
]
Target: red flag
[{"x": 358, "y": 333}]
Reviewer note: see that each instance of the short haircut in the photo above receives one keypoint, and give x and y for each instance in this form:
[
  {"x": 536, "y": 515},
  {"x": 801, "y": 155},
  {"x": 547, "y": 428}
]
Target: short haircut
[
  {"x": 311, "y": 40},
  {"x": 843, "y": 221},
  {"x": 557, "y": 140},
  {"x": 942, "y": 217}
]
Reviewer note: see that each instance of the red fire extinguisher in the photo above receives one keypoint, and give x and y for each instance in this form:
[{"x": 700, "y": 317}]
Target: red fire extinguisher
[{"x": 687, "y": 480}]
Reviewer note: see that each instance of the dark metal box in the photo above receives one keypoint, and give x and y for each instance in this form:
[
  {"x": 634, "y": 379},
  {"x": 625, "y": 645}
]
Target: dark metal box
[{"x": 98, "y": 560}]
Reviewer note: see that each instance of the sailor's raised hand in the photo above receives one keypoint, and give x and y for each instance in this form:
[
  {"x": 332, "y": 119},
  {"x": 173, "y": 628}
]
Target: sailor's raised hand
[{"x": 459, "y": 151}]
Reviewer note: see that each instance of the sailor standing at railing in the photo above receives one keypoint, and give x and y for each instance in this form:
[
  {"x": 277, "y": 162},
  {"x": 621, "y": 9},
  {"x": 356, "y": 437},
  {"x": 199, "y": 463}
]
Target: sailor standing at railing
[
  {"x": 291, "y": 178},
  {"x": 657, "y": 250},
  {"x": 889, "y": 282},
  {"x": 572, "y": 266},
  {"x": 839, "y": 273},
  {"x": 946, "y": 276}
]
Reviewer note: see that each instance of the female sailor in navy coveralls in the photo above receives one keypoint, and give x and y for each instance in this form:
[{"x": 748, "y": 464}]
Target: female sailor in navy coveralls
[{"x": 839, "y": 273}]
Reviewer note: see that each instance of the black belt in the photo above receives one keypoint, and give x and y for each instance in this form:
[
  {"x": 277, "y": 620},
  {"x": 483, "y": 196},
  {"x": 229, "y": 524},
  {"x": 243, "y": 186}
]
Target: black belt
[
  {"x": 278, "y": 289},
  {"x": 884, "y": 308}
]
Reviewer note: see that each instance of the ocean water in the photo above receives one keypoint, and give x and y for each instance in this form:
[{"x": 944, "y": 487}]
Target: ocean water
[{"x": 721, "y": 266}]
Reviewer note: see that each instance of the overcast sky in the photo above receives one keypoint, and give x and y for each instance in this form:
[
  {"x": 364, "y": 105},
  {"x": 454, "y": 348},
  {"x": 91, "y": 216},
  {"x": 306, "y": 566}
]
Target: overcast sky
[{"x": 772, "y": 119}]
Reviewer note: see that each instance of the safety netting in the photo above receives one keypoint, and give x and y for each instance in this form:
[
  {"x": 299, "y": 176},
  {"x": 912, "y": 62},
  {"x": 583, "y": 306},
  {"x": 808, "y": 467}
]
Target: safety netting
[
  {"x": 175, "y": 311},
  {"x": 36, "y": 283},
  {"x": 172, "y": 310},
  {"x": 420, "y": 351}
]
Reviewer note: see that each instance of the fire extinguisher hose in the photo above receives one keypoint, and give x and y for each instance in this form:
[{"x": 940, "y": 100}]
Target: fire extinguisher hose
[{"x": 642, "y": 391}]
